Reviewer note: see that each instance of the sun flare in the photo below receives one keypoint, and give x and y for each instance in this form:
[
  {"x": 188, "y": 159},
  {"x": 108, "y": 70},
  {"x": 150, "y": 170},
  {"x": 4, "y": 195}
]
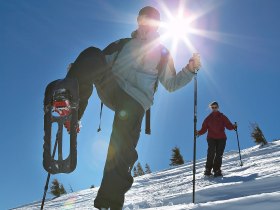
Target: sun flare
[{"x": 177, "y": 28}]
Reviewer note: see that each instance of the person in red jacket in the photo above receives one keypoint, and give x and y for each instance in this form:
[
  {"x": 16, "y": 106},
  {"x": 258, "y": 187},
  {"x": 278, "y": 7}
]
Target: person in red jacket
[{"x": 215, "y": 123}]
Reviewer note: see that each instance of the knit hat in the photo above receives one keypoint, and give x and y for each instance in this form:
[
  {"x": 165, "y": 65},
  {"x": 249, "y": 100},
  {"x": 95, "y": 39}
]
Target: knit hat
[{"x": 150, "y": 12}]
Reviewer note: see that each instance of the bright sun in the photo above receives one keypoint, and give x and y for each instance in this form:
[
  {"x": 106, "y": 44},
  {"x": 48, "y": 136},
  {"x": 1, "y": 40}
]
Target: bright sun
[{"x": 177, "y": 28}]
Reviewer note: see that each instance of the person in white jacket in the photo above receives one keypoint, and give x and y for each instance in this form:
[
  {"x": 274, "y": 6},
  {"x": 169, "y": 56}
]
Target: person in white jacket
[{"x": 126, "y": 74}]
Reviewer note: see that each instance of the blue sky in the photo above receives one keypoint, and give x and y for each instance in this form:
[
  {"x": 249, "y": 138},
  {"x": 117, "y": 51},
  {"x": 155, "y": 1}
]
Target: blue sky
[{"x": 240, "y": 54}]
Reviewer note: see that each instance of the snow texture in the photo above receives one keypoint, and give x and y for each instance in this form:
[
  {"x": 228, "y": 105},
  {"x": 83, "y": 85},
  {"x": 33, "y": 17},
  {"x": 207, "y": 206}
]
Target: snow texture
[{"x": 255, "y": 185}]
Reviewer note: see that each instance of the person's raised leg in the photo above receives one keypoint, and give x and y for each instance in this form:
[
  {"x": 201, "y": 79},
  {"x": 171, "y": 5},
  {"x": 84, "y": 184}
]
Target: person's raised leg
[{"x": 89, "y": 68}]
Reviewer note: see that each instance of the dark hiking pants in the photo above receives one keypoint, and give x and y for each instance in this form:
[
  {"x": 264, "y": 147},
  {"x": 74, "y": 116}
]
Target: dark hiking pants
[
  {"x": 90, "y": 68},
  {"x": 215, "y": 153}
]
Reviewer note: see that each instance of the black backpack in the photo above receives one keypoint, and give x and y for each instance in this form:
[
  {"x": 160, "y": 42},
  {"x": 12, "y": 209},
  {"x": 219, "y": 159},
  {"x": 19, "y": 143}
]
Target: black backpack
[{"x": 117, "y": 47}]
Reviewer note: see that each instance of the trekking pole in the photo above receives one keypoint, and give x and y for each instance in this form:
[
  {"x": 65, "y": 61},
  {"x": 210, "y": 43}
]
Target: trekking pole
[
  {"x": 241, "y": 164},
  {"x": 48, "y": 177},
  {"x": 194, "y": 134}
]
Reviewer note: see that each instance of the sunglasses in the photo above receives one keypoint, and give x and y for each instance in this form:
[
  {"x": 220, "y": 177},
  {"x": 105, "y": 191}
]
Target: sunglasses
[{"x": 214, "y": 107}]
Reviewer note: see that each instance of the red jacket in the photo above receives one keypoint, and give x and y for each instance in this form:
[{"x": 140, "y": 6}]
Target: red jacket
[{"x": 216, "y": 123}]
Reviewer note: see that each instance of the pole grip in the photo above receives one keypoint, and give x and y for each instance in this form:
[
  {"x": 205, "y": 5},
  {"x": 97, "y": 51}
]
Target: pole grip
[{"x": 235, "y": 123}]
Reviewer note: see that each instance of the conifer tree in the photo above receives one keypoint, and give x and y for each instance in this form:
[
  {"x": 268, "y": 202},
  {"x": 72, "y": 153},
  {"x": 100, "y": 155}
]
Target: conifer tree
[
  {"x": 135, "y": 172},
  {"x": 257, "y": 134},
  {"x": 177, "y": 158},
  {"x": 147, "y": 169},
  {"x": 140, "y": 170},
  {"x": 71, "y": 189},
  {"x": 57, "y": 189},
  {"x": 62, "y": 189}
]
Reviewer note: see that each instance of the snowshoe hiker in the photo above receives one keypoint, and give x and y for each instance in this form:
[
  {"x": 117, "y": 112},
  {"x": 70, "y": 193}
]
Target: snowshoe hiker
[
  {"x": 215, "y": 123},
  {"x": 125, "y": 75}
]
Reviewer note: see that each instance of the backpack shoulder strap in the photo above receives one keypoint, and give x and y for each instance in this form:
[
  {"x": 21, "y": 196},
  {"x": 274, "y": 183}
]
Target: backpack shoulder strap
[
  {"x": 116, "y": 46},
  {"x": 164, "y": 57}
]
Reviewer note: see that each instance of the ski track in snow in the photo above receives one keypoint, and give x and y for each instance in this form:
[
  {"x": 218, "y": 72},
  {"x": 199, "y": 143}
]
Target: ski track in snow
[{"x": 255, "y": 185}]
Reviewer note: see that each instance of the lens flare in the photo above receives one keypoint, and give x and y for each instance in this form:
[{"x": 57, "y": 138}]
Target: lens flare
[
  {"x": 123, "y": 115},
  {"x": 70, "y": 203}
]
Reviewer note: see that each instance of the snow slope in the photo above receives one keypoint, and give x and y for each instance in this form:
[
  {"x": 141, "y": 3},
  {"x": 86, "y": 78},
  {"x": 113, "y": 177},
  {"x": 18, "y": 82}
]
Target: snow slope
[{"x": 254, "y": 186}]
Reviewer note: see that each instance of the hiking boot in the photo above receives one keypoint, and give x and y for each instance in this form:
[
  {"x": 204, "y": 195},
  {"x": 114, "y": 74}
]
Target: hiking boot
[
  {"x": 207, "y": 172},
  {"x": 218, "y": 173}
]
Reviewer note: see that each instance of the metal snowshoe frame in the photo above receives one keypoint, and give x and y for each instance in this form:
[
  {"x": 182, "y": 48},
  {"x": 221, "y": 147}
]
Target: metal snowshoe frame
[{"x": 63, "y": 89}]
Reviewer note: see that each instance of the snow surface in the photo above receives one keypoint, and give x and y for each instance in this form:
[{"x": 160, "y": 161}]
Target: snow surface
[{"x": 254, "y": 186}]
